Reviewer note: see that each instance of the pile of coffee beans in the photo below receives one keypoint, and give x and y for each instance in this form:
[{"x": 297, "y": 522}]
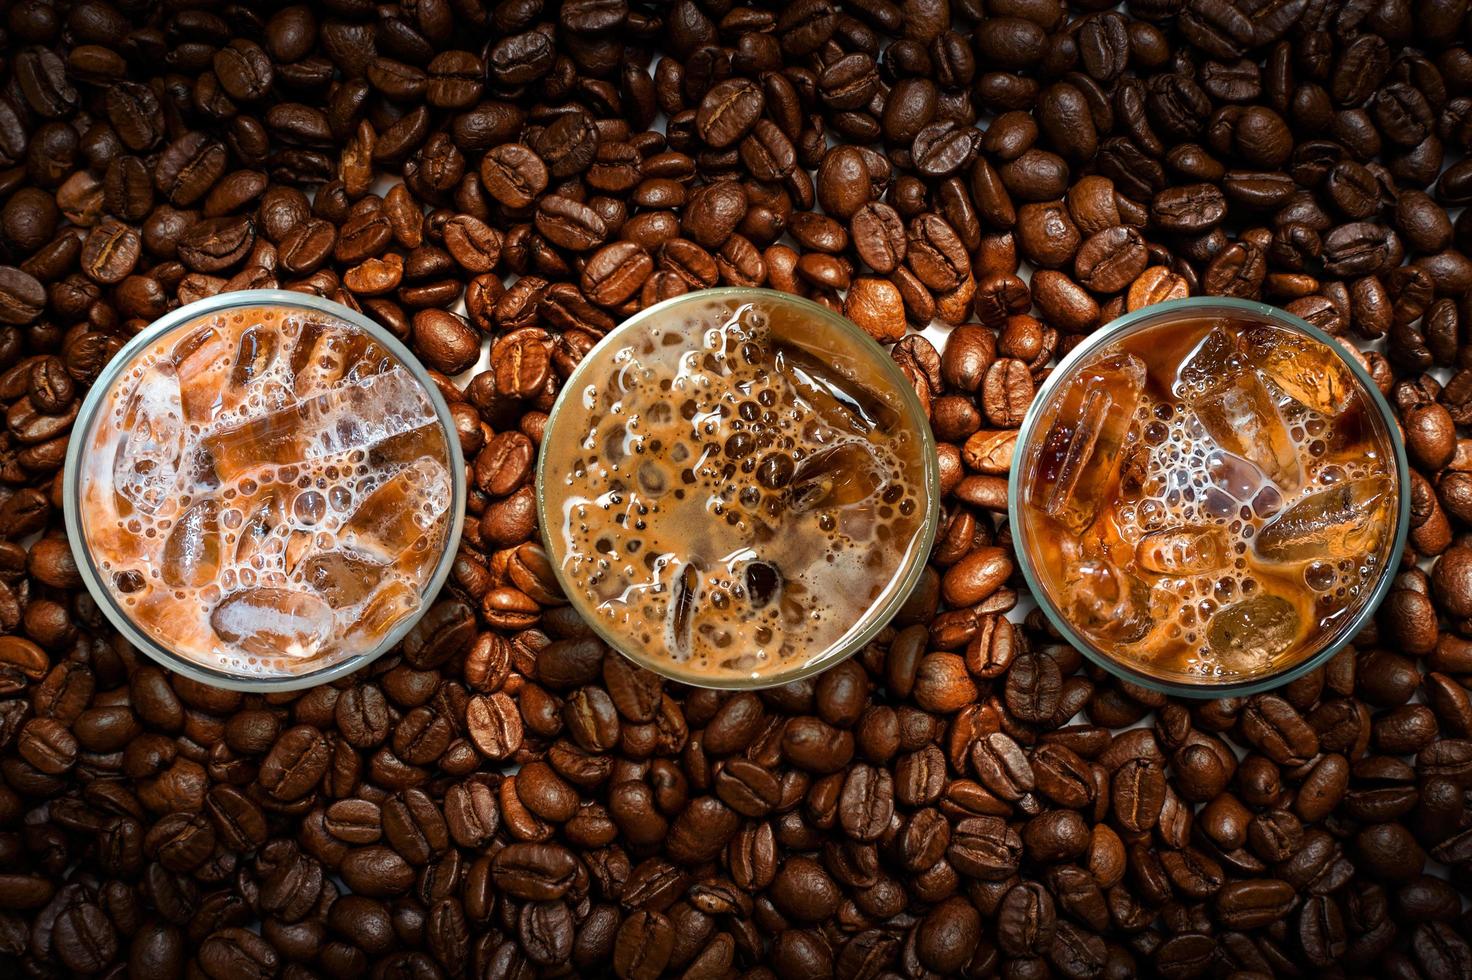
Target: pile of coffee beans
[{"x": 504, "y": 796}]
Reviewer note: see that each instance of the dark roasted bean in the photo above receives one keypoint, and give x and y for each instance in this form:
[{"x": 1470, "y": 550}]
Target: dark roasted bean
[{"x": 505, "y": 795}]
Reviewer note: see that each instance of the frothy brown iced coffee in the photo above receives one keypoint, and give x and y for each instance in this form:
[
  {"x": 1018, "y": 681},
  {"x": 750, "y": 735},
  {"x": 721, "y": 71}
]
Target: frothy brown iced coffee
[
  {"x": 266, "y": 490},
  {"x": 735, "y": 495},
  {"x": 1212, "y": 499}
]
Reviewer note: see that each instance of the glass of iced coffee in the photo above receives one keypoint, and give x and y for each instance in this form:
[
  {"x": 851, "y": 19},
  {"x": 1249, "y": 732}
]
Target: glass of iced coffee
[
  {"x": 263, "y": 490},
  {"x": 1210, "y": 497},
  {"x": 737, "y": 488}
]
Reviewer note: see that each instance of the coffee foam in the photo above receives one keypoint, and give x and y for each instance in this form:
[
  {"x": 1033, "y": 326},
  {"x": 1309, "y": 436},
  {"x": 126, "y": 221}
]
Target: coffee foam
[
  {"x": 266, "y": 491},
  {"x": 732, "y": 508}
]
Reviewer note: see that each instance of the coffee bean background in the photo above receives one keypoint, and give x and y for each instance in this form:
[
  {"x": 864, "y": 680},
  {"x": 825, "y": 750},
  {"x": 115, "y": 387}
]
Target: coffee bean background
[{"x": 499, "y": 183}]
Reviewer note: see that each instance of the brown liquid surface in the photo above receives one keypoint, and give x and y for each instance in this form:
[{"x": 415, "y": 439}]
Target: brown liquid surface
[
  {"x": 739, "y": 490},
  {"x": 1211, "y": 500},
  {"x": 266, "y": 491}
]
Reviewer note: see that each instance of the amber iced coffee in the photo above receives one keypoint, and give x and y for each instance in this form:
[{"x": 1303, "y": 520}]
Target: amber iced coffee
[
  {"x": 1210, "y": 498},
  {"x": 737, "y": 488},
  {"x": 264, "y": 490}
]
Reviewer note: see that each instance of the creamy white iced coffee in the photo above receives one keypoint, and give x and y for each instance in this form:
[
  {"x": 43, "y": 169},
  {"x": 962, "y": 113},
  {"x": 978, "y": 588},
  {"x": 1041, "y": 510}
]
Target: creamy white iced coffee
[{"x": 266, "y": 490}]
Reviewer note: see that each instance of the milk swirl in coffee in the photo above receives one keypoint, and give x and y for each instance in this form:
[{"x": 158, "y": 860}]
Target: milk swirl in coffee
[{"x": 737, "y": 501}]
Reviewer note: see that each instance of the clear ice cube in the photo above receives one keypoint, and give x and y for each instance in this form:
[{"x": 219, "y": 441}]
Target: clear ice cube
[
  {"x": 403, "y": 447},
  {"x": 203, "y": 362},
  {"x": 192, "y": 550},
  {"x": 1344, "y": 521},
  {"x": 400, "y": 512},
  {"x": 680, "y": 625},
  {"x": 253, "y": 356},
  {"x": 1134, "y": 472},
  {"x": 1248, "y": 634},
  {"x": 1081, "y": 455},
  {"x": 842, "y": 400},
  {"x": 1236, "y": 410},
  {"x": 326, "y": 362},
  {"x": 341, "y": 577},
  {"x": 265, "y": 514},
  {"x": 1305, "y": 369},
  {"x": 147, "y": 463},
  {"x": 269, "y": 622},
  {"x": 1106, "y": 600},
  {"x": 1186, "y": 550},
  {"x": 1214, "y": 359},
  {"x": 839, "y": 476},
  {"x": 372, "y": 360},
  {"x": 387, "y": 607},
  {"x": 298, "y": 542},
  {"x": 330, "y": 424},
  {"x": 199, "y": 471}
]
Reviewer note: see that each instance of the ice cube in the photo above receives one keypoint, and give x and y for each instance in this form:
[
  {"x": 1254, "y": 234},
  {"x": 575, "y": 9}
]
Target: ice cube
[
  {"x": 1240, "y": 417},
  {"x": 341, "y": 577},
  {"x": 1081, "y": 455},
  {"x": 327, "y": 362},
  {"x": 297, "y": 543},
  {"x": 371, "y": 360},
  {"x": 1305, "y": 369},
  {"x": 199, "y": 474},
  {"x": 1106, "y": 600},
  {"x": 1214, "y": 359},
  {"x": 270, "y": 622},
  {"x": 404, "y": 447},
  {"x": 203, "y": 361},
  {"x": 680, "y": 626},
  {"x": 254, "y": 357},
  {"x": 404, "y": 509},
  {"x": 146, "y": 466},
  {"x": 329, "y": 424},
  {"x": 1344, "y": 521},
  {"x": 841, "y": 400},
  {"x": 266, "y": 513},
  {"x": 839, "y": 476},
  {"x": 1247, "y": 634},
  {"x": 1186, "y": 550},
  {"x": 389, "y": 605},
  {"x": 308, "y": 329},
  {"x": 1134, "y": 471},
  {"x": 192, "y": 551}
]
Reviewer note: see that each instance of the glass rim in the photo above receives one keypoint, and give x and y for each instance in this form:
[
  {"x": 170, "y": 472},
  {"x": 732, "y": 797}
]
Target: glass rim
[
  {"x": 878, "y": 615},
  {"x": 81, "y": 432},
  {"x": 1198, "y": 306}
]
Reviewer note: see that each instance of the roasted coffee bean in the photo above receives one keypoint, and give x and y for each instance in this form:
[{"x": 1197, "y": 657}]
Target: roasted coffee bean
[
  {"x": 877, "y": 306},
  {"x": 728, "y": 111},
  {"x": 873, "y": 819},
  {"x": 445, "y": 341},
  {"x": 1006, "y": 391}
]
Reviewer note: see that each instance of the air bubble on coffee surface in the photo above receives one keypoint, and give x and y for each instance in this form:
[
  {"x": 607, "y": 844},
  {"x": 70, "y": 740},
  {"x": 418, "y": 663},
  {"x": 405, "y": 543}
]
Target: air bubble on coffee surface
[
  {"x": 736, "y": 503},
  {"x": 1211, "y": 499},
  {"x": 268, "y": 491}
]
